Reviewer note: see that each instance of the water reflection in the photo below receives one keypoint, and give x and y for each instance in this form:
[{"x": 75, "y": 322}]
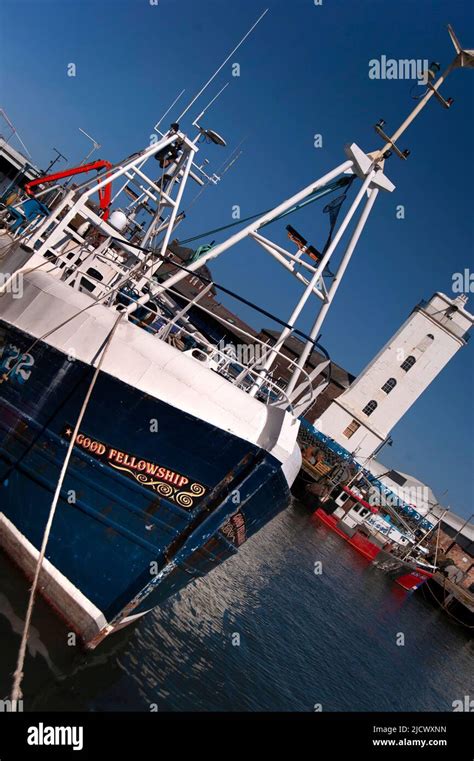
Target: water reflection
[{"x": 262, "y": 632}]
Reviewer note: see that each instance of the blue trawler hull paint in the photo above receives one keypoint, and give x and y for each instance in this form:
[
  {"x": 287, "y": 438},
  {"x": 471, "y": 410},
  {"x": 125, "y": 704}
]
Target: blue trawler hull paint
[{"x": 133, "y": 498}]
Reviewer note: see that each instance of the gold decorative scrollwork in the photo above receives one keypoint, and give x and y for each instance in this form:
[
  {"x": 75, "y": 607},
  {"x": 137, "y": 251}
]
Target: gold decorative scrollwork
[
  {"x": 184, "y": 500},
  {"x": 164, "y": 489}
]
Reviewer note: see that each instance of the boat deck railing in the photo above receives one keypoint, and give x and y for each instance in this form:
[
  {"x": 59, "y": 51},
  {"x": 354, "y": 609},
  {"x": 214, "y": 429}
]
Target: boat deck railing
[
  {"x": 92, "y": 255},
  {"x": 244, "y": 374},
  {"x": 164, "y": 318}
]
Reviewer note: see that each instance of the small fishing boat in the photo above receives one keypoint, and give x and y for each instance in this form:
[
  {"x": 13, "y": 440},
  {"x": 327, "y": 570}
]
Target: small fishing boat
[{"x": 376, "y": 533}]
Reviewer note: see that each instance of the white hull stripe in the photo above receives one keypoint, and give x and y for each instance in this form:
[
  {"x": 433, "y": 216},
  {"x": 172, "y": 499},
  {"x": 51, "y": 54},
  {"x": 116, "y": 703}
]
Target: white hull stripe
[
  {"x": 152, "y": 366},
  {"x": 78, "y": 611}
]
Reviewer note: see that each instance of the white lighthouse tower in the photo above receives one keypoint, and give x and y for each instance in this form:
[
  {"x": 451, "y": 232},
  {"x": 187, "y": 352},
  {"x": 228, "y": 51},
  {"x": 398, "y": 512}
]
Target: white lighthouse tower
[{"x": 361, "y": 418}]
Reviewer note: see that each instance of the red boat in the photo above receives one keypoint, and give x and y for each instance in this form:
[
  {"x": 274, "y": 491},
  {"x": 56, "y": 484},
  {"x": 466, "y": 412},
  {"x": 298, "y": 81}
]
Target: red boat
[
  {"x": 361, "y": 543},
  {"x": 408, "y": 574},
  {"x": 364, "y": 526}
]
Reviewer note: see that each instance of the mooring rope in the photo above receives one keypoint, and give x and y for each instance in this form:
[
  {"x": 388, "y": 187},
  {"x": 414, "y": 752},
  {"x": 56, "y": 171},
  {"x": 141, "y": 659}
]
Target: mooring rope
[{"x": 18, "y": 673}]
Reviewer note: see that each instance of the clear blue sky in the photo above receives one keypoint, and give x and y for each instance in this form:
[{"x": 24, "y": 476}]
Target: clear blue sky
[{"x": 304, "y": 71}]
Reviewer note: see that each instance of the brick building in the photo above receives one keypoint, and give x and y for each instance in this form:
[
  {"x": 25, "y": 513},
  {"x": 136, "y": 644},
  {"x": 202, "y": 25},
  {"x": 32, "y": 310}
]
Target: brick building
[{"x": 456, "y": 542}]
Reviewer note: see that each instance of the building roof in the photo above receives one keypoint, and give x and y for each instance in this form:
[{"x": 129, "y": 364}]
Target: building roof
[
  {"x": 407, "y": 487},
  {"x": 295, "y": 346},
  {"x": 420, "y": 495},
  {"x": 457, "y": 522},
  {"x": 189, "y": 288},
  {"x": 17, "y": 159},
  {"x": 209, "y": 302}
]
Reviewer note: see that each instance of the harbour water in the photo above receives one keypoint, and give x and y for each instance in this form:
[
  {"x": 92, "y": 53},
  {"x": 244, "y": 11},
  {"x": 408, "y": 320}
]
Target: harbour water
[{"x": 263, "y": 632}]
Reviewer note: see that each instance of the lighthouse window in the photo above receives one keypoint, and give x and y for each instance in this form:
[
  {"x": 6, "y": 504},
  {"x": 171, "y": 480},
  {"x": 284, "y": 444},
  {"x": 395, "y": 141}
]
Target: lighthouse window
[
  {"x": 425, "y": 342},
  {"x": 389, "y": 385},
  {"x": 407, "y": 363},
  {"x": 351, "y": 429},
  {"x": 370, "y": 407}
]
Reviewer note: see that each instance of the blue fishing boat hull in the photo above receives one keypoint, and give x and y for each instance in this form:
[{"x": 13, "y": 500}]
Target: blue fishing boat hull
[{"x": 152, "y": 499}]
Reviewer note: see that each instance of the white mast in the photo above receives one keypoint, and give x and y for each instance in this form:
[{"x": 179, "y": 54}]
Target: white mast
[{"x": 369, "y": 167}]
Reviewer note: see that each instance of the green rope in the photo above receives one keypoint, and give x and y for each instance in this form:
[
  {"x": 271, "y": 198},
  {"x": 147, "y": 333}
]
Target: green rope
[{"x": 314, "y": 197}]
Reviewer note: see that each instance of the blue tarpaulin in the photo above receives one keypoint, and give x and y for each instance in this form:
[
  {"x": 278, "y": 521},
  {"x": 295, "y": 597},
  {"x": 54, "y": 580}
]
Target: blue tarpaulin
[{"x": 393, "y": 499}]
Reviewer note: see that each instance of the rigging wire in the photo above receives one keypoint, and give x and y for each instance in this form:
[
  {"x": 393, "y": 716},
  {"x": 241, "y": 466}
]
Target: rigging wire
[{"x": 341, "y": 183}]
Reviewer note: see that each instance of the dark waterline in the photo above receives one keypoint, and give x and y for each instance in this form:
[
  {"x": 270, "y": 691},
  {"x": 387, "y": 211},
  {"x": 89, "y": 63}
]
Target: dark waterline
[{"x": 305, "y": 639}]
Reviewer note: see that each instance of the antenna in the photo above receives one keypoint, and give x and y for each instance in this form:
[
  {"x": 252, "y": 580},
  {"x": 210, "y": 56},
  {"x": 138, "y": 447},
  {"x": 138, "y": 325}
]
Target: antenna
[
  {"x": 464, "y": 59},
  {"x": 206, "y": 85},
  {"x": 236, "y": 153},
  {"x": 196, "y": 121},
  {"x": 14, "y": 130},
  {"x": 230, "y": 164},
  {"x": 209, "y": 134},
  {"x": 53, "y": 162},
  {"x": 168, "y": 110},
  {"x": 95, "y": 146}
]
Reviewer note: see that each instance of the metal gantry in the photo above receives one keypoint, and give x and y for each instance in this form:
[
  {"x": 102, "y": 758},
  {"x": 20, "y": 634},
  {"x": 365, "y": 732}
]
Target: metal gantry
[{"x": 165, "y": 198}]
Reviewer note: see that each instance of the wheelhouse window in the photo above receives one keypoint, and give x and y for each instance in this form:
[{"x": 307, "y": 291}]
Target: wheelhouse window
[
  {"x": 351, "y": 429},
  {"x": 370, "y": 407},
  {"x": 389, "y": 385},
  {"x": 408, "y": 363}
]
